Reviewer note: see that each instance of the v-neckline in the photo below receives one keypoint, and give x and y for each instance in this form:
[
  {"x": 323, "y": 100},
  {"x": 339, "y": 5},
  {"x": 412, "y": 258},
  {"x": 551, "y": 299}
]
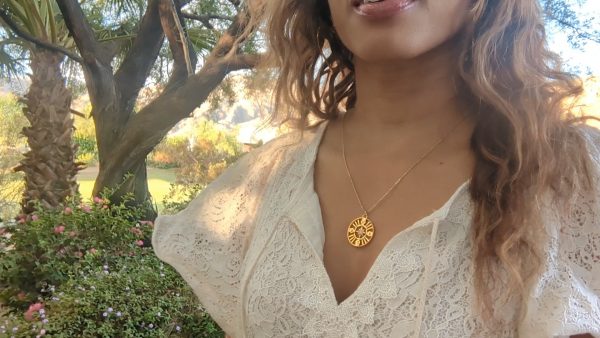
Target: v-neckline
[{"x": 440, "y": 213}]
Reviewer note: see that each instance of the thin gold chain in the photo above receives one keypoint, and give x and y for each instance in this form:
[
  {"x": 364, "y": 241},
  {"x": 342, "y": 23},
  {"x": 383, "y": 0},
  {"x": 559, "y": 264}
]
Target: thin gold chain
[{"x": 366, "y": 212}]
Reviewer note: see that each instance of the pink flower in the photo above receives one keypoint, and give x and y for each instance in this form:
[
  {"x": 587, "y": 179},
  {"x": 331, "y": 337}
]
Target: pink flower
[
  {"x": 61, "y": 251},
  {"x": 33, "y": 308},
  {"x": 28, "y": 315},
  {"x": 36, "y": 306},
  {"x": 59, "y": 229},
  {"x": 21, "y": 221},
  {"x": 34, "y": 217},
  {"x": 85, "y": 208},
  {"x": 42, "y": 332},
  {"x": 72, "y": 233},
  {"x": 105, "y": 206},
  {"x": 139, "y": 242},
  {"x": 78, "y": 254},
  {"x": 92, "y": 251},
  {"x": 98, "y": 200},
  {"x": 68, "y": 211}
]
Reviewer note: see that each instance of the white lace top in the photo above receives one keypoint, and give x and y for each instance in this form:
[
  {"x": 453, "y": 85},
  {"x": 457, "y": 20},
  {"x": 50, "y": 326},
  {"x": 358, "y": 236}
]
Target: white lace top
[{"x": 250, "y": 246}]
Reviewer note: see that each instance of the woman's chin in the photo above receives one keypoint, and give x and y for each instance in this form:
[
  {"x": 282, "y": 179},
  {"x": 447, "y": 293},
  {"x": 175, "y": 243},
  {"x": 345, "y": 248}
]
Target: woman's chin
[{"x": 376, "y": 53}]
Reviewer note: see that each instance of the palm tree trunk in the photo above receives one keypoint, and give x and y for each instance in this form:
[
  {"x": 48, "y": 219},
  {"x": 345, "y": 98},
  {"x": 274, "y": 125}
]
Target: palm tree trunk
[{"x": 49, "y": 165}]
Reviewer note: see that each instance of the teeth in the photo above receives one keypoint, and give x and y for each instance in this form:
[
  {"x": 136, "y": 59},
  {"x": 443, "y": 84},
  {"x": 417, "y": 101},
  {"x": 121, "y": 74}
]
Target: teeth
[{"x": 370, "y": 1}]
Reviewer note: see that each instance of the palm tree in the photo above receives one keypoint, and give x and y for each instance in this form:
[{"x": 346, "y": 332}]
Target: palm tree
[{"x": 49, "y": 166}]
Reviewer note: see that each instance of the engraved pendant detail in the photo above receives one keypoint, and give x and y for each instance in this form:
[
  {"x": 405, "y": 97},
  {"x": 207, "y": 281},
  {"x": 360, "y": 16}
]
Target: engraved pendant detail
[{"x": 360, "y": 231}]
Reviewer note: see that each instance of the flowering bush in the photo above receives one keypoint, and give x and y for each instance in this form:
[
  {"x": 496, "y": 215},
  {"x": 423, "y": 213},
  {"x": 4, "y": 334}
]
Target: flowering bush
[{"x": 88, "y": 270}]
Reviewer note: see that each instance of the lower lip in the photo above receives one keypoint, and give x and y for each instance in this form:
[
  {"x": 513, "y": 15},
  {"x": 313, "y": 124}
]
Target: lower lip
[{"x": 384, "y": 8}]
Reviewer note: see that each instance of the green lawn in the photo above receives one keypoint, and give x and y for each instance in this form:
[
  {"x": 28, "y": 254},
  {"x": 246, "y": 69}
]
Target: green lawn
[{"x": 158, "y": 182}]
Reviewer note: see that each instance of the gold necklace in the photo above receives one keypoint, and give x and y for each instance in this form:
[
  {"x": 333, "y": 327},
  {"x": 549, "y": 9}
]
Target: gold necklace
[{"x": 361, "y": 230}]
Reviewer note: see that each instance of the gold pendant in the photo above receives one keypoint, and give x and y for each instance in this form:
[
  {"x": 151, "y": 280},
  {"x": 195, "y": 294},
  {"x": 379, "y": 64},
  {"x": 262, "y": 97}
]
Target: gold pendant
[{"x": 360, "y": 231}]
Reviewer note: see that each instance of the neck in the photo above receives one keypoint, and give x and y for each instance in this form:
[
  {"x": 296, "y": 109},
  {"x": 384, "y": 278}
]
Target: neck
[{"x": 411, "y": 93}]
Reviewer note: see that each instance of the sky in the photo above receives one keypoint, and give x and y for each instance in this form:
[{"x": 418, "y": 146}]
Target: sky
[{"x": 589, "y": 56}]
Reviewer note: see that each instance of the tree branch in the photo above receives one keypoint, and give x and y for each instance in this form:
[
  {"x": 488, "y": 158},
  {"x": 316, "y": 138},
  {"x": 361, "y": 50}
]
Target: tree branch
[
  {"x": 206, "y": 17},
  {"x": 38, "y": 42},
  {"x": 146, "y": 128},
  {"x": 204, "y": 21},
  {"x": 228, "y": 42},
  {"x": 82, "y": 33},
  {"x": 135, "y": 68},
  {"x": 578, "y": 32},
  {"x": 184, "y": 57},
  {"x": 99, "y": 77},
  {"x": 242, "y": 61}
]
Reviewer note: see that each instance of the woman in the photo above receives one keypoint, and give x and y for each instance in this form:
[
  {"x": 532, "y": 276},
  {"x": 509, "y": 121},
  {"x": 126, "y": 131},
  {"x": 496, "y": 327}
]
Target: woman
[{"x": 447, "y": 190}]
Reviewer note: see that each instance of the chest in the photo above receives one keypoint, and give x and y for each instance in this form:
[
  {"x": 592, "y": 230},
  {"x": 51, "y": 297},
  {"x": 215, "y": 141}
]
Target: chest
[
  {"x": 289, "y": 290},
  {"x": 407, "y": 204}
]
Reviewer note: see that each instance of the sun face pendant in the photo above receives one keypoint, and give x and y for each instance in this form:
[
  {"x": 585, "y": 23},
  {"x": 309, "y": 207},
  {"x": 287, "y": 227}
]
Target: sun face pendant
[{"x": 360, "y": 231}]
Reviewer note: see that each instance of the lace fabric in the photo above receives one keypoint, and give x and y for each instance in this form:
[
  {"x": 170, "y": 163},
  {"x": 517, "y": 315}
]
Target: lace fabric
[{"x": 250, "y": 246}]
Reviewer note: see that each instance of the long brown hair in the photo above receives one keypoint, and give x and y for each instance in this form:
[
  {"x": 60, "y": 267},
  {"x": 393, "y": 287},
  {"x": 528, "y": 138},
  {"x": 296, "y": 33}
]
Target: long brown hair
[{"x": 526, "y": 138}]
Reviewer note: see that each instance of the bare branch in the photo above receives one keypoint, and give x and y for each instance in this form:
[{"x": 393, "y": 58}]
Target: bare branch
[
  {"x": 228, "y": 42},
  {"x": 100, "y": 80},
  {"x": 204, "y": 20},
  {"x": 38, "y": 42},
  {"x": 182, "y": 38},
  {"x": 184, "y": 57},
  {"x": 135, "y": 68},
  {"x": 581, "y": 34},
  {"x": 206, "y": 17},
  {"x": 242, "y": 61},
  {"x": 89, "y": 48}
]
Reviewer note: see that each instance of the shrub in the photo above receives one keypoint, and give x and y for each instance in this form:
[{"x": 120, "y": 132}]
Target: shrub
[
  {"x": 167, "y": 153},
  {"x": 179, "y": 196},
  {"x": 12, "y": 145},
  {"x": 87, "y": 158},
  {"x": 85, "y": 138},
  {"x": 212, "y": 151},
  {"x": 88, "y": 270}
]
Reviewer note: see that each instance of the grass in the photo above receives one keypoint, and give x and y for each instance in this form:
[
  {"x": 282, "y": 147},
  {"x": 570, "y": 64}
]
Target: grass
[{"x": 159, "y": 181}]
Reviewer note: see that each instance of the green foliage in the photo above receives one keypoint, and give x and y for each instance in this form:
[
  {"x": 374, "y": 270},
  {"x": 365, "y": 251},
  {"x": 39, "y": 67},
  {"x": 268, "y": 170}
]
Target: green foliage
[
  {"x": 199, "y": 158},
  {"x": 87, "y": 149},
  {"x": 166, "y": 155},
  {"x": 88, "y": 271},
  {"x": 12, "y": 144},
  {"x": 12, "y": 121},
  {"x": 211, "y": 152},
  {"x": 179, "y": 196},
  {"x": 85, "y": 138}
]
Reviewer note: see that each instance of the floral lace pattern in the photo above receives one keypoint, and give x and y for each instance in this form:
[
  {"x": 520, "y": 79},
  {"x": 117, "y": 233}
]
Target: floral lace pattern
[{"x": 256, "y": 268}]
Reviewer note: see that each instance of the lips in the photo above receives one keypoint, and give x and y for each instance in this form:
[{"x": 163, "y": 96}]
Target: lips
[{"x": 381, "y": 9}]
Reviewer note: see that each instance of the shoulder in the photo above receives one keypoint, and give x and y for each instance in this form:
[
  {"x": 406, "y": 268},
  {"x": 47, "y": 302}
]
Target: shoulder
[
  {"x": 251, "y": 172},
  {"x": 281, "y": 147},
  {"x": 565, "y": 300}
]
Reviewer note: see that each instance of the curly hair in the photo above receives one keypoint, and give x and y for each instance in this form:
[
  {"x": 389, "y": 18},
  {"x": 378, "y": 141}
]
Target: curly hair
[{"x": 526, "y": 139}]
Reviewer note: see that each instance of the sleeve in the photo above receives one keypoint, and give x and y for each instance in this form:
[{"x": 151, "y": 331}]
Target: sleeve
[
  {"x": 566, "y": 299},
  {"x": 207, "y": 241}
]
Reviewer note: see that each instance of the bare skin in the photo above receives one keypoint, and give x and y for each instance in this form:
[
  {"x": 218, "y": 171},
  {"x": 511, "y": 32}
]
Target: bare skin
[
  {"x": 406, "y": 100},
  {"x": 380, "y": 145}
]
